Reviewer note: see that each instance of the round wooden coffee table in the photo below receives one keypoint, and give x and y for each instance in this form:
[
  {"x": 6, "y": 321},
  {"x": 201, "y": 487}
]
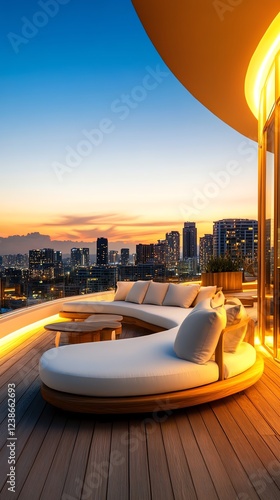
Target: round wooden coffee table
[
  {"x": 106, "y": 333},
  {"x": 84, "y": 331}
]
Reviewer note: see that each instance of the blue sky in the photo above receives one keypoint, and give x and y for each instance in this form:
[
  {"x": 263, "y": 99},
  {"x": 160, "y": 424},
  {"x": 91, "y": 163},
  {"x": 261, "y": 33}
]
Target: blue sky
[{"x": 74, "y": 70}]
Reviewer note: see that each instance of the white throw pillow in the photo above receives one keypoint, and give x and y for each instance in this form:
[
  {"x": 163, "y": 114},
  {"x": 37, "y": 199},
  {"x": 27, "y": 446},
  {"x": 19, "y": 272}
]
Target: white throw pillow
[
  {"x": 218, "y": 300},
  {"x": 156, "y": 293},
  {"x": 137, "y": 292},
  {"x": 180, "y": 296},
  {"x": 235, "y": 312},
  {"x": 205, "y": 292},
  {"x": 233, "y": 301},
  {"x": 199, "y": 333},
  {"x": 123, "y": 288}
]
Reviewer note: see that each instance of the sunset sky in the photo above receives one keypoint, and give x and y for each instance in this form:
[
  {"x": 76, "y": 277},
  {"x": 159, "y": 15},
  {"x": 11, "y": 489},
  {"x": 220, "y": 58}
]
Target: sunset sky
[{"x": 98, "y": 138}]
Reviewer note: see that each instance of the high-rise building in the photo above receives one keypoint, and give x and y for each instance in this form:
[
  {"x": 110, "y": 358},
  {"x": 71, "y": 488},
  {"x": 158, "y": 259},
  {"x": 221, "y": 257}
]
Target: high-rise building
[
  {"x": 18, "y": 261},
  {"x": 205, "y": 250},
  {"x": 113, "y": 256},
  {"x": 145, "y": 253},
  {"x": 173, "y": 244},
  {"x": 41, "y": 256},
  {"x": 160, "y": 252},
  {"x": 58, "y": 264},
  {"x": 102, "y": 252},
  {"x": 79, "y": 257},
  {"x": 41, "y": 263},
  {"x": 189, "y": 240},
  {"x": 236, "y": 237},
  {"x": 124, "y": 256}
]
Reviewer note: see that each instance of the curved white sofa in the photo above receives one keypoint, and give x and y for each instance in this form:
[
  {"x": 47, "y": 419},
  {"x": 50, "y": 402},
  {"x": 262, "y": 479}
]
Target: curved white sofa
[{"x": 132, "y": 375}]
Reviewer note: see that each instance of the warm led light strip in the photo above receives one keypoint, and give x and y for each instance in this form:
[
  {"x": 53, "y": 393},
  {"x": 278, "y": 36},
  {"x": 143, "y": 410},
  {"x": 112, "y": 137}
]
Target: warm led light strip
[
  {"x": 260, "y": 65},
  {"x": 18, "y": 336}
]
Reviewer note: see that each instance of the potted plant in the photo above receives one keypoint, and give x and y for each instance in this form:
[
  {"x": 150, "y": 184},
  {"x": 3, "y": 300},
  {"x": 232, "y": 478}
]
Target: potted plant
[{"x": 225, "y": 272}]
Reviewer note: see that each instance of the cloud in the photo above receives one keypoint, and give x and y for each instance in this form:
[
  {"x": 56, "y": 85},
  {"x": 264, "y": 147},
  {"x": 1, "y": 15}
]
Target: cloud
[
  {"x": 85, "y": 220},
  {"x": 114, "y": 226}
]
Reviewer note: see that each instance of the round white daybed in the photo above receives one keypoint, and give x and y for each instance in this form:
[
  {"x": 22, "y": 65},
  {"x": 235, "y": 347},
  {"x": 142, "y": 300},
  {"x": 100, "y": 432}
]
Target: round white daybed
[{"x": 184, "y": 365}]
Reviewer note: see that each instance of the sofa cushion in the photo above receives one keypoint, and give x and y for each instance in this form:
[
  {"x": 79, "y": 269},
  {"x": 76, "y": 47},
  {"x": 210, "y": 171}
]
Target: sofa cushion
[
  {"x": 205, "y": 292},
  {"x": 180, "y": 296},
  {"x": 137, "y": 292},
  {"x": 126, "y": 367},
  {"x": 235, "y": 312},
  {"x": 163, "y": 316},
  {"x": 156, "y": 293},
  {"x": 123, "y": 288},
  {"x": 243, "y": 358},
  {"x": 218, "y": 300},
  {"x": 199, "y": 333}
]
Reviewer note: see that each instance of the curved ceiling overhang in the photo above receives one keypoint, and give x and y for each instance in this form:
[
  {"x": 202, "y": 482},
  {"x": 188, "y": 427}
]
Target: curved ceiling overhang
[{"x": 208, "y": 45}]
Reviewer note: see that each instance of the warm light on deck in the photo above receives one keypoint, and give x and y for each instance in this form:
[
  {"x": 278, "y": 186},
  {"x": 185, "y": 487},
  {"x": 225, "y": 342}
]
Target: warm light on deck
[{"x": 260, "y": 65}]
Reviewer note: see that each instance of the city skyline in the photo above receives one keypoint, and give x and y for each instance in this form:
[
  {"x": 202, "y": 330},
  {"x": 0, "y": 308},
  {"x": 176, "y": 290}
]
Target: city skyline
[
  {"x": 100, "y": 139},
  {"x": 44, "y": 241}
]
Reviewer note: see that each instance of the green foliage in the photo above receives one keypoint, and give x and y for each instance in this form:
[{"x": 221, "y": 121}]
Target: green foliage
[{"x": 223, "y": 264}]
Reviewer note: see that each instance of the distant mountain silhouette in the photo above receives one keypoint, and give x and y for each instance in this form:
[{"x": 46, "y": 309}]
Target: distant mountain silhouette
[{"x": 23, "y": 243}]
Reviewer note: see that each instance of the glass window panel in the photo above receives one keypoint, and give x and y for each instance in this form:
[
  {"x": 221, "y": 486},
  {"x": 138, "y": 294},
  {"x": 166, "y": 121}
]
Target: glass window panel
[{"x": 269, "y": 237}]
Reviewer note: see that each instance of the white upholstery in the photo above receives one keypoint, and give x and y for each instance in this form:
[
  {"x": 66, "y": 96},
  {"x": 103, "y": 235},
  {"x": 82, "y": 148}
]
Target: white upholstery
[
  {"x": 199, "y": 333},
  {"x": 123, "y": 288},
  {"x": 163, "y": 316},
  {"x": 139, "y": 366},
  {"x": 205, "y": 292},
  {"x": 235, "y": 314},
  {"x": 156, "y": 293},
  {"x": 243, "y": 358},
  {"x": 180, "y": 296},
  {"x": 137, "y": 292}
]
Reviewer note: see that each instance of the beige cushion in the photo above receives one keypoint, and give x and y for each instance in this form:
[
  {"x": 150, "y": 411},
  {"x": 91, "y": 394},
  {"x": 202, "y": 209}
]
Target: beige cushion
[
  {"x": 233, "y": 301},
  {"x": 218, "y": 300},
  {"x": 123, "y": 288},
  {"x": 137, "y": 292},
  {"x": 205, "y": 292},
  {"x": 235, "y": 312},
  {"x": 156, "y": 293},
  {"x": 180, "y": 296},
  {"x": 199, "y": 333}
]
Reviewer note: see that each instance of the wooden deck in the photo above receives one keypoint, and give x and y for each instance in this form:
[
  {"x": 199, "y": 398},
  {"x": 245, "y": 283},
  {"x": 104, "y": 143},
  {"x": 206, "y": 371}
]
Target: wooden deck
[{"x": 226, "y": 450}]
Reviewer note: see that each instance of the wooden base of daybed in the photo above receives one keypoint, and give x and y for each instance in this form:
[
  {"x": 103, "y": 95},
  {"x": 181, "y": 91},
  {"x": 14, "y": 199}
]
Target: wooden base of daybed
[{"x": 157, "y": 402}]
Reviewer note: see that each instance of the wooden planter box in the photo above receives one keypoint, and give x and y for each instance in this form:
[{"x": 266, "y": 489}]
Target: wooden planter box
[{"x": 230, "y": 281}]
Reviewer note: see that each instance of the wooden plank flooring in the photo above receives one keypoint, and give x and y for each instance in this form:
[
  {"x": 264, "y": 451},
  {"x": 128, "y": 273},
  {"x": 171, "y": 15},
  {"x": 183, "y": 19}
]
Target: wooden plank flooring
[{"x": 229, "y": 449}]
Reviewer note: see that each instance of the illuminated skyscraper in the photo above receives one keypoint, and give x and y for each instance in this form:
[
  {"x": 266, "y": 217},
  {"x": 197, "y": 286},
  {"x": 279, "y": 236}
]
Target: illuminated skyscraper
[
  {"x": 189, "y": 240},
  {"x": 173, "y": 244},
  {"x": 102, "y": 252},
  {"x": 79, "y": 257}
]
